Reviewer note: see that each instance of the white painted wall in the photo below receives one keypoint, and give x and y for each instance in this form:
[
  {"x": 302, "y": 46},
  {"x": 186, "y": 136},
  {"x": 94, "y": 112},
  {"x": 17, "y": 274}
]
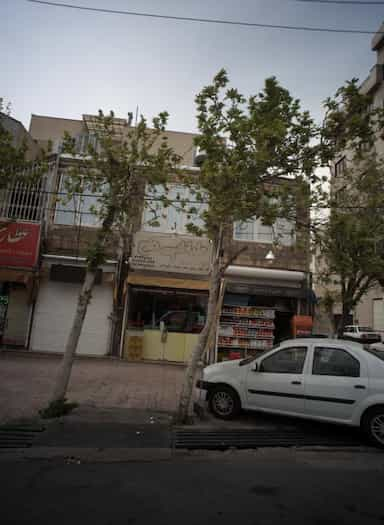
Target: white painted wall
[
  {"x": 54, "y": 313},
  {"x": 364, "y": 310},
  {"x": 378, "y": 314}
]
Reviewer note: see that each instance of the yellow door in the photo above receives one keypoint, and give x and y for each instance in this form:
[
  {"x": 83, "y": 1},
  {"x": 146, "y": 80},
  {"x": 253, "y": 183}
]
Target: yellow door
[
  {"x": 174, "y": 347},
  {"x": 153, "y": 347},
  {"x": 190, "y": 342}
]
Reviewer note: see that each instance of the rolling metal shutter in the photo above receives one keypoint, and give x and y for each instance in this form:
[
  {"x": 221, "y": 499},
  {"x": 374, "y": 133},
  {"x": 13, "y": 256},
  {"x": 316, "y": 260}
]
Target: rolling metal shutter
[{"x": 54, "y": 312}]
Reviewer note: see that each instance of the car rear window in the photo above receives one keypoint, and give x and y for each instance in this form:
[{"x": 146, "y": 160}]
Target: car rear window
[{"x": 377, "y": 353}]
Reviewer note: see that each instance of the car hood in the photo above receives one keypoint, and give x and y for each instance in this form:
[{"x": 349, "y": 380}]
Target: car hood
[{"x": 224, "y": 366}]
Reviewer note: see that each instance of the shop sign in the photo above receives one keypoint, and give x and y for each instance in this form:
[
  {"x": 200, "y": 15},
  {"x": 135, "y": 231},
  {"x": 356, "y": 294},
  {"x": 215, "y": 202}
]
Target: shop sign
[
  {"x": 171, "y": 253},
  {"x": 19, "y": 244}
]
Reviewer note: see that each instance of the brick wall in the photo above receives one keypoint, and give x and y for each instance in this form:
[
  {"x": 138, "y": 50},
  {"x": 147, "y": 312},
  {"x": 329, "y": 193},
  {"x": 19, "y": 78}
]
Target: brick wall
[
  {"x": 75, "y": 241},
  {"x": 296, "y": 257}
]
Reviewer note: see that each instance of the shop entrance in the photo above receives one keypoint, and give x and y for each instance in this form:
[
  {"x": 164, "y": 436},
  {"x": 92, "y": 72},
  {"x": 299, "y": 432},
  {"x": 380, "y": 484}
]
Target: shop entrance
[
  {"x": 14, "y": 314},
  {"x": 250, "y": 324},
  {"x": 163, "y": 324},
  {"x": 4, "y": 299}
]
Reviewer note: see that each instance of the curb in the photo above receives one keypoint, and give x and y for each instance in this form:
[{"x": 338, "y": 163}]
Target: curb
[{"x": 84, "y": 455}]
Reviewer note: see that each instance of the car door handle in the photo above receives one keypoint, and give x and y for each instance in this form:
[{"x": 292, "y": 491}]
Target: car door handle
[
  {"x": 296, "y": 383},
  {"x": 360, "y": 387}
]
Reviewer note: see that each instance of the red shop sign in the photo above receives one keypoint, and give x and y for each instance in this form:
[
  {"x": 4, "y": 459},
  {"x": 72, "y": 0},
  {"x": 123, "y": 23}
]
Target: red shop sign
[{"x": 19, "y": 244}]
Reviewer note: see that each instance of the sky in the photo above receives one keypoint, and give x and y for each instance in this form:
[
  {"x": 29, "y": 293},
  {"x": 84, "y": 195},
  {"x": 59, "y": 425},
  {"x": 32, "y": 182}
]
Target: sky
[{"x": 64, "y": 62}]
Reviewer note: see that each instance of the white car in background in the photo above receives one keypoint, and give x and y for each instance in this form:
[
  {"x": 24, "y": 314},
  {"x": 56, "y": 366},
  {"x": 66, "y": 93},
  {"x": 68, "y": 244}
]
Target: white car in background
[
  {"x": 323, "y": 379},
  {"x": 361, "y": 334}
]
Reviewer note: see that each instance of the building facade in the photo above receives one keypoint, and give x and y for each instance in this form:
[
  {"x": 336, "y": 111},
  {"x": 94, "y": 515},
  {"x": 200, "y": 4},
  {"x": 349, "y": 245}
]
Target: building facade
[
  {"x": 370, "y": 310},
  {"x": 165, "y": 292},
  {"x": 21, "y": 224}
]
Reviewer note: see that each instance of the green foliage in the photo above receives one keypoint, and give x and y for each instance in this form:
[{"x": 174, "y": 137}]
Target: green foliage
[
  {"x": 13, "y": 158},
  {"x": 117, "y": 166},
  {"x": 350, "y": 124},
  {"x": 58, "y": 408},
  {"x": 351, "y": 239},
  {"x": 251, "y": 146}
]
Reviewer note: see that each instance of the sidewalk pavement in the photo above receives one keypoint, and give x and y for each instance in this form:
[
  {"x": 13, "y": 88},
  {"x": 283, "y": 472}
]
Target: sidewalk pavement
[{"x": 27, "y": 379}]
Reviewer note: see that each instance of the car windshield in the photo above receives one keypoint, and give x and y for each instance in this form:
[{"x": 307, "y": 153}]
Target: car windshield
[
  {"x": 365, "y": 329},
  {"x": 377, "y": 353}
]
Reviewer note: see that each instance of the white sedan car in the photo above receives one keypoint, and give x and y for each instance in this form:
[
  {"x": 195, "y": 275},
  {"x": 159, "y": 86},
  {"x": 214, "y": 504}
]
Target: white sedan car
[{"x": 323, "y": 379}]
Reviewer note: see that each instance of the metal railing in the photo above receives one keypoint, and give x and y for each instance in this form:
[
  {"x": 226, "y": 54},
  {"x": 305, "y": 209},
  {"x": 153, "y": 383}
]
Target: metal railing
[{"x": 25, "y": 201}]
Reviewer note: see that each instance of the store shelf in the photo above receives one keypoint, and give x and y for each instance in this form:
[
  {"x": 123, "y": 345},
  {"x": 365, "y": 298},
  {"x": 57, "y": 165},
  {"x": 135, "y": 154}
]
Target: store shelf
[
  {"x": 241, "y": 320},
  {"x": 258, "y": 337},
  {"x": 243, "y": 306},
  {"x": 249, "y": 325},
  {"x": 244, "y": 347},
  {"x": 248, "y": 316}
]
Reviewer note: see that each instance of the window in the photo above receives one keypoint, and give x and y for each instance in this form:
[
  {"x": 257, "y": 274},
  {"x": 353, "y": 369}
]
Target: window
[
  {"x": 334, "y": 362},
  {"x": 282, "y": 231},
  {"x": 340, "y": 167},
  {"x": 168, "y": 218},
  {"x": 179, "y": 311},
  {"x": 287, "y": 361},
  {"x": 78, "y": 210},
  {"x": 23, "y": 201}
]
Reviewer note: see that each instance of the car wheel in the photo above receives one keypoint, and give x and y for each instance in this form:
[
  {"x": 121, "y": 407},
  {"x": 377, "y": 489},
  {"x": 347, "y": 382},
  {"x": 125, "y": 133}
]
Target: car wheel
[
  {"x": 373, "y": 425},
  {"x": 224, "y": 402}
]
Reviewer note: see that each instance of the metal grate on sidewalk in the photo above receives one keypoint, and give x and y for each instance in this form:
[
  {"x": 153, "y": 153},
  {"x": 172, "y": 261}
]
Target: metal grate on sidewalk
[
  {"x": 18, "y": 436},
  {"x": 242, "y": 439}
]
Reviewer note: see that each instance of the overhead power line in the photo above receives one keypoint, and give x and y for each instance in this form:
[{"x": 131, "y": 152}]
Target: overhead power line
[
  {"x": 203, "y": 20},
  {"x": 340, "y": 2}
]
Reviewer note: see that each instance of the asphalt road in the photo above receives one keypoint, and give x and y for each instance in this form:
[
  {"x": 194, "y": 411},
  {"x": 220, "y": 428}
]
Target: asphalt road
[{"x": 258, "y": 487}]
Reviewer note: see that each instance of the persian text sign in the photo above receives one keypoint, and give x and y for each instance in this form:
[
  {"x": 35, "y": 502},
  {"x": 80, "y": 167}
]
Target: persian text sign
[
  {"x": 171, "y": 253},
  {"x": 19, "y": 244}
]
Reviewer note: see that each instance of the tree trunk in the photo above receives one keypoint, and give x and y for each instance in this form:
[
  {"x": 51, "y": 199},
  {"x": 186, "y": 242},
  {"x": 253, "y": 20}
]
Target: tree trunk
[
  {"x": 96, "y": 254},
  {"x": 346, "y": 308},
  {"x": 190, "y": 374},
  {"x": 73, "y": 339},
  {"x": 125, "y": 249}
]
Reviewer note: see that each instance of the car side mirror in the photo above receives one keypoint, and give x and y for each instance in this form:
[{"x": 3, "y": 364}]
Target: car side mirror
[{"x": 255, "y": 367}]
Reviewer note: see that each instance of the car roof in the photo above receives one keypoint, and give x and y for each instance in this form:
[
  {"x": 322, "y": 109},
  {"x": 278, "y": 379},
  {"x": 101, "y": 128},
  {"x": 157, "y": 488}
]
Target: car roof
[{"x": 322, "y": 341}]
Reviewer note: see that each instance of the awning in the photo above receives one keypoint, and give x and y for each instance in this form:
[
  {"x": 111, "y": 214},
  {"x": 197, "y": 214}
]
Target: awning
[
  {"x": 108, "y": 266},
  {"x": 166, "y": 282},
  {"x": 269, "y": 274},
  {"x": 265, "y": 282}
]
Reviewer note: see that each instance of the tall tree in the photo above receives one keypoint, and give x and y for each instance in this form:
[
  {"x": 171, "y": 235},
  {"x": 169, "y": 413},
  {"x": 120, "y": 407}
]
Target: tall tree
[
  {"x": 13, "y": 156},
  {"x": 124, "y": 161},
  {"x": 250, "y": 146},
  {"x": 351, "y": 240}
]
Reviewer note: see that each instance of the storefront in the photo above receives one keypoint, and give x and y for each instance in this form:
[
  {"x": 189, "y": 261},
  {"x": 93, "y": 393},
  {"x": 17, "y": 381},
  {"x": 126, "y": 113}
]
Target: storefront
[
  {"x": 261, "y": 307},
  {"x": 167, "y": 297},
  {"x": 165, "y": 317},
  {"x": 19, "y": 247}
]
